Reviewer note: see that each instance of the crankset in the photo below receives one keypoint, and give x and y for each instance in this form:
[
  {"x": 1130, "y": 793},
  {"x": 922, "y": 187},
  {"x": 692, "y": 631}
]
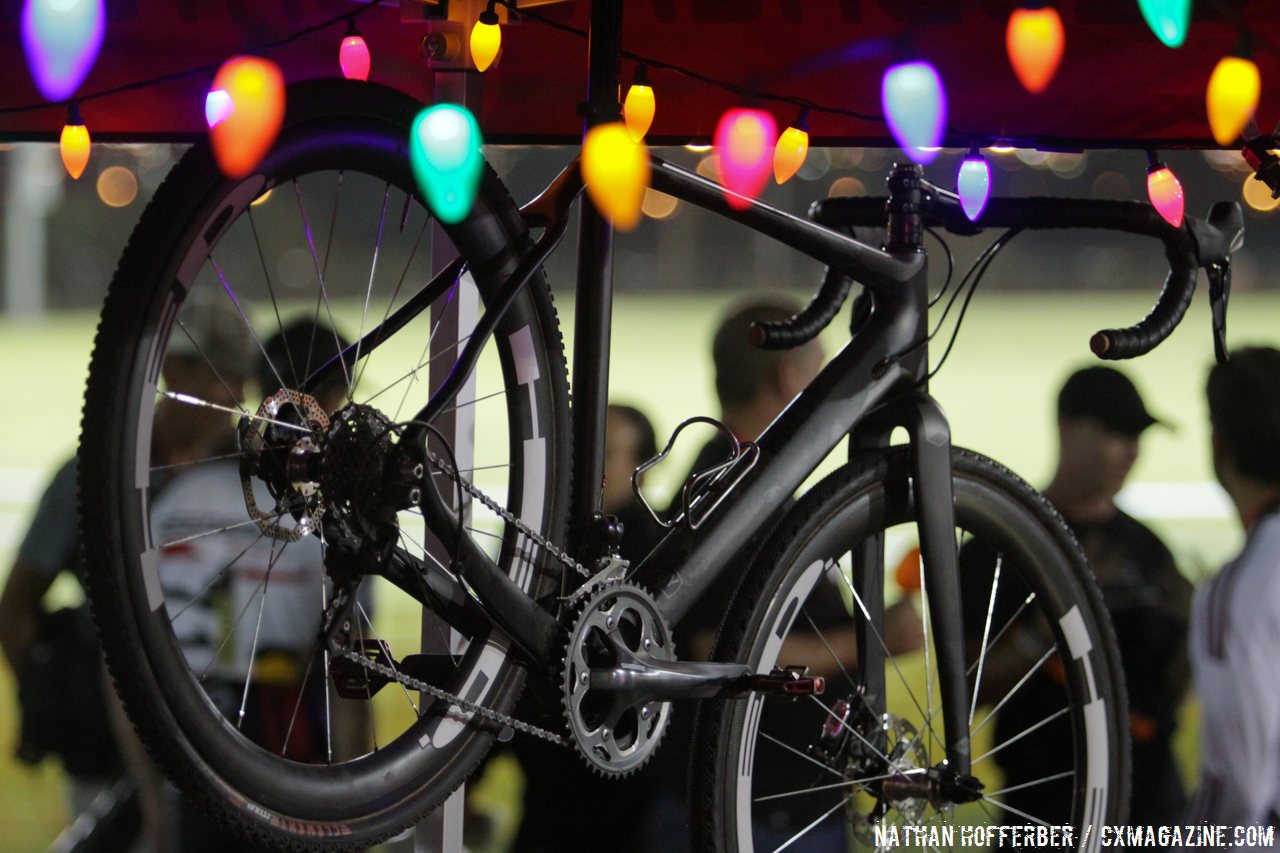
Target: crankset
[{"x": 621, "y": 675}]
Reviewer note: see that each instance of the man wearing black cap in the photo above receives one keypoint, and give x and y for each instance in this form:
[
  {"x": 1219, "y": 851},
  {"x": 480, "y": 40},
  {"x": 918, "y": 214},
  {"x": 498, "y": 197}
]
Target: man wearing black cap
[{"x": 1100, "y": 419}]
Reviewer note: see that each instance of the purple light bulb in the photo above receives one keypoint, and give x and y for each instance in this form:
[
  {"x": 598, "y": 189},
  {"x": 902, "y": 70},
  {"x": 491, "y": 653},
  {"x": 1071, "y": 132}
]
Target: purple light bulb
[
  {"x": 974, "y": 185},
  {"x": 61, "y": 39}
]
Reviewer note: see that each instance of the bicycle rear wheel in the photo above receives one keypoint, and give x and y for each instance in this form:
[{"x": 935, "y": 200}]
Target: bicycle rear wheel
[
  {"x": 1049, "y": 733},
  {"x": 216, "y": 483}
]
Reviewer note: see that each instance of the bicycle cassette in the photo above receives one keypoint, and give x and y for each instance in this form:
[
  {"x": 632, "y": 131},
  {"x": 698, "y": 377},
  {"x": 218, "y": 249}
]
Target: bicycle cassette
[{"x": 617, "y": 634}]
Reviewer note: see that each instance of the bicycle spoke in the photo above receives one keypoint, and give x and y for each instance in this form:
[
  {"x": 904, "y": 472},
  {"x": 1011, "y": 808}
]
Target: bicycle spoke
[
  {"x": 1022, "y": 734},
  {"x": 368, "y": 293},
  {"x": 423, "y": 359},
  {"x": 231, "y": 395},
  {"x": 986, "y": 634},
  {"x": 248, "y": 324},
  {"x": 793, "y": 839},
  {"x": 991, "y": 715},
  {"x": 214, "y": 580},
  {"x": 189, "y": 400},
  {"x": 835, "y": 786},
  {"x": 323, "y": 296},
  {"x": 257, "y": 630},
  {"x": 868, "y": 744},
  {"x": 412, "y": 374},
  {"x": 866, "y": 614},
  {"x": 413, "y": 252},
  {"x": 297, "y": 704},
  {"x": 222, "y": 457},
  {"x": 271, "y": 291},
  {"x": 391, "y": 663},
  {"x": 822, "y": 637},
  {"x": 238, "y": 524},
  {"x": 1041, "y": 781},
  {"x": 1018, "y": 812},
  {"x": 456, "y": 406},
  {"x": 809, "y": 758}
]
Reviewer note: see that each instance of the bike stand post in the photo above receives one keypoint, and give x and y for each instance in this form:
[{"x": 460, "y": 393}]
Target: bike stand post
[{"x": 441, "y": 831}]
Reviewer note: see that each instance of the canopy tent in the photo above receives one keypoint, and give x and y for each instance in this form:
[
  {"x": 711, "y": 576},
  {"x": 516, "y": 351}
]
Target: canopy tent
[{"x": 1117, "y": 86}]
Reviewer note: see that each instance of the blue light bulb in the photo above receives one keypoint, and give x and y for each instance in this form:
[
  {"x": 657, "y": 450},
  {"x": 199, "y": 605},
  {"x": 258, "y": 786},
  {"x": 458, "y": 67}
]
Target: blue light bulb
[
  {"x": 915, "y": 106},
  {"x": 974, "y": 185}
]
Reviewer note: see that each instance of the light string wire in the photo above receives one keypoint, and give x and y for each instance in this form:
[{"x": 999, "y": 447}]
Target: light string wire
[
  {"x": 1259, "y": 44},
  {"x": 206, "y": 69}
]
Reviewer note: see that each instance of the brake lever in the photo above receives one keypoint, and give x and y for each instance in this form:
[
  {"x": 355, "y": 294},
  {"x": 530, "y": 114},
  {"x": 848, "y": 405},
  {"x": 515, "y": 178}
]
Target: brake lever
[{"x": 1219, "y": 294}]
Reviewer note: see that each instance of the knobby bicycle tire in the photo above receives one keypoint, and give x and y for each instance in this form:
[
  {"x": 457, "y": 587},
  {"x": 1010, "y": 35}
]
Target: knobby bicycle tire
[
  {"x": 341, "y": 176},
  {"x": 1051, "y": 732}
]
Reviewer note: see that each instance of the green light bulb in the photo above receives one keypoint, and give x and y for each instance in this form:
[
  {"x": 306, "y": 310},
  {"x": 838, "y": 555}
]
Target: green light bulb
[
  {"x": 1168, "y": 19},
  {"x": 444, "y": 151}
]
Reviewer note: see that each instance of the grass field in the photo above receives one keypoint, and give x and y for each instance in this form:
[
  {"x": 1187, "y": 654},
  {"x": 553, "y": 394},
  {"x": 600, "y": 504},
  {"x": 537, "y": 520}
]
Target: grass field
[{"x": 998, "y": 388}]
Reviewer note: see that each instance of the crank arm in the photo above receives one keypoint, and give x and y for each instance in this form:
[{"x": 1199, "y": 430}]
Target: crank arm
[{"x": 644, "y": 679}]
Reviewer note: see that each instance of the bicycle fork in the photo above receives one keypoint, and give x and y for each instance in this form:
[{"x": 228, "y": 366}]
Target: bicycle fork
[{"x": 931, "y": 493}]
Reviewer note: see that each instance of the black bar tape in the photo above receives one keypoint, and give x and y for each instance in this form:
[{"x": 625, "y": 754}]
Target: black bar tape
[{"x": 812, "y": 319}]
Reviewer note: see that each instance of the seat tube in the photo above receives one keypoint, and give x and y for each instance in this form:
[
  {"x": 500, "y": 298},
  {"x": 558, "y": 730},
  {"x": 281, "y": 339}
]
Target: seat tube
[{"x": 594, "y": 307}]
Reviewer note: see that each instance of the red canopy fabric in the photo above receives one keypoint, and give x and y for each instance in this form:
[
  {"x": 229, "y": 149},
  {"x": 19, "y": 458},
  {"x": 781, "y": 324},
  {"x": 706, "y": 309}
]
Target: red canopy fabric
[{"x": 1118, "y": 86}]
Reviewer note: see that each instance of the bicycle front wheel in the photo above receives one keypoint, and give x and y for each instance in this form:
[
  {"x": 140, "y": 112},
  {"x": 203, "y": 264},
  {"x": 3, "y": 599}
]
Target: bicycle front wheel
[
  {"x": 229, "y": 501},
  {"x": 851, "y": 767}
]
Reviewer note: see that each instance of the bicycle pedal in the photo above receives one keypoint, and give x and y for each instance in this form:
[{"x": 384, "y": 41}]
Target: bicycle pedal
[{"x": 789, "y": 681}]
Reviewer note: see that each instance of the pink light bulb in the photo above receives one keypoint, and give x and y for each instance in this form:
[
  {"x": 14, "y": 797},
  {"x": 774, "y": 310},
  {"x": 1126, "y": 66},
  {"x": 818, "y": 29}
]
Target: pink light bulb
[
  {"x": 353, "y": 57},
  {"x": 1165, "y": 192},
  {"x": 745, "y": 140}
]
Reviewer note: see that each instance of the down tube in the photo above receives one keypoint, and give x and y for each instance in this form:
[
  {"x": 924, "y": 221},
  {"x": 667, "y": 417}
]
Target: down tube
[{"x": 687, "y": 562}]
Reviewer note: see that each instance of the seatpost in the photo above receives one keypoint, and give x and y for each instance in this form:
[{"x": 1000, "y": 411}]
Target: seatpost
[{"x": 594, "y": 307}]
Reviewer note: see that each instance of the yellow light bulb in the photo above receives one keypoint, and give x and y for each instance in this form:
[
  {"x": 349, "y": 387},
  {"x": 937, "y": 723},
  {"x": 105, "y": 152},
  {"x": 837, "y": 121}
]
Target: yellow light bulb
[
  {"x": 789, "y": 154},
  {"x": 615, "y": 169},
  {"x": 1232, "y": 97},
  {"x": 74, "y": 145},
  {"x": 486, "y": 39},
  {"x": 638, "y": 110}
]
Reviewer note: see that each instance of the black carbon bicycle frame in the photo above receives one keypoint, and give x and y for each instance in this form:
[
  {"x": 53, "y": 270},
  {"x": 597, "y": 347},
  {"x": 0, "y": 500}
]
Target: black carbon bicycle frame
[{"x": 875, "y": 383}]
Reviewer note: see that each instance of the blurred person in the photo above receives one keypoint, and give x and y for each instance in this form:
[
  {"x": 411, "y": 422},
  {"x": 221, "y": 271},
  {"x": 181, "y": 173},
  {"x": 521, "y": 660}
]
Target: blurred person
[
  {"x": 268, "y": 673},
  {"x": 1101, "y": 417},
  {"x": 68, "y": 707},
  {"x": 753, "y": 386},
  {"x": 1235, "y": 619}
]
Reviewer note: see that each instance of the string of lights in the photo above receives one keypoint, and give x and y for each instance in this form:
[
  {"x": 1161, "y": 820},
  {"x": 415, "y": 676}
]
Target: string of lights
[{"x": 244, "y": 106}]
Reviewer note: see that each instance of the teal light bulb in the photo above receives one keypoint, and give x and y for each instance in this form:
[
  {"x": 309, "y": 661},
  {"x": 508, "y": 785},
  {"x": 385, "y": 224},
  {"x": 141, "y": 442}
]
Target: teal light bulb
[
  {"x": 444, "y": 151},
  {"x": 1168, "y": 19}
]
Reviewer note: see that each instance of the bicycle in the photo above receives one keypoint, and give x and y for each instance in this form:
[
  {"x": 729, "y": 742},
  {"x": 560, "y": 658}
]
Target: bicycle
[{"x": 493, "y": 564}]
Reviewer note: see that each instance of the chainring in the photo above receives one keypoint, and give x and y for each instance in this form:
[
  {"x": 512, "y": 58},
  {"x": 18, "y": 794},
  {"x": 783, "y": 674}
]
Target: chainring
[{"x": 615, "y": 625}]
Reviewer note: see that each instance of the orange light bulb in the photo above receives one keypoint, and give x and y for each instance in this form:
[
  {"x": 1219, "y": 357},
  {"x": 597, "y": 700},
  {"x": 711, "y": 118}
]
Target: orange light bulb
[
  {"x": 251, "y": 119},
  {"x": 792, "y": 147},
  {"x": 74, "y": 143},
  {"x": 615, "y": 169},
  {"x": 638, "y": 110},
  {"x": 1232, "y": 97},
  {"x": 1034, "y": 40}
]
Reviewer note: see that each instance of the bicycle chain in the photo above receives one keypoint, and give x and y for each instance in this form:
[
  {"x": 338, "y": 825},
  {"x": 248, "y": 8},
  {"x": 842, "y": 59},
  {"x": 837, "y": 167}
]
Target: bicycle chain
[
  {"x": 506, "y": 516},
  {"x": 439, "y": 693}
]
